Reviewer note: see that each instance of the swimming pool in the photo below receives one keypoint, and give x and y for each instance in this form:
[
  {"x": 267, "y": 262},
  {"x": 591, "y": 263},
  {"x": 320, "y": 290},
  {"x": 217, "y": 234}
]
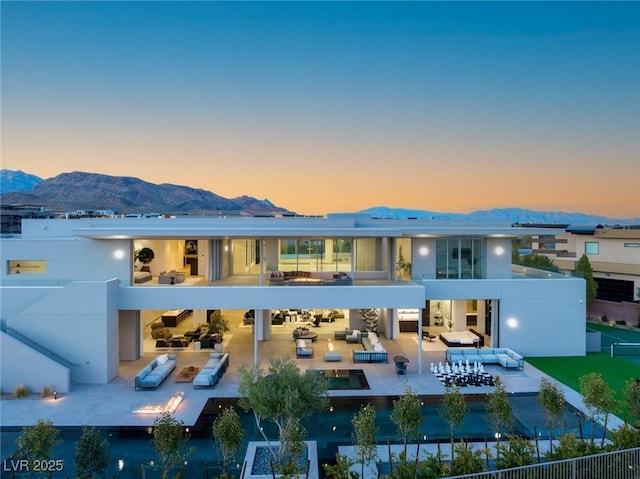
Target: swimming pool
[{"x": 330, "y": 429}]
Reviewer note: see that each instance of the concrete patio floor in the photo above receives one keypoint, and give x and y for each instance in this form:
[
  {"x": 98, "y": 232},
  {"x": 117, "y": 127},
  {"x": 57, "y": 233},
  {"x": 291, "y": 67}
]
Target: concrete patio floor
[{"x": 111, "y": 404}]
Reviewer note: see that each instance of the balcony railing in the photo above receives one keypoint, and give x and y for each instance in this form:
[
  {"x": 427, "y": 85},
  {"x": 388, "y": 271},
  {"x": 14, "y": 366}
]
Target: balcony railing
[{"x": 619, "y": 464}]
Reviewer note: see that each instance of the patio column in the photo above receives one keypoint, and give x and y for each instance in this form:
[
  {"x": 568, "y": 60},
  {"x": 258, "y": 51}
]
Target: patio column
[{"x": 420, "y": 341}]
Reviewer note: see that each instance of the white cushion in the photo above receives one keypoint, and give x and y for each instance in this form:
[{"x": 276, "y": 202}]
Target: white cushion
[
  {"x": 378, "y": 347},
  {"x": 374, "y": 340},
  {"x": 163, "y": 358}
]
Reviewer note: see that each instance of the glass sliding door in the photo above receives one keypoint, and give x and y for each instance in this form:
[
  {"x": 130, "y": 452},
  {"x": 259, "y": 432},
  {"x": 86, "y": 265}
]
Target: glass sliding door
[{"x": 460, "y": 258}]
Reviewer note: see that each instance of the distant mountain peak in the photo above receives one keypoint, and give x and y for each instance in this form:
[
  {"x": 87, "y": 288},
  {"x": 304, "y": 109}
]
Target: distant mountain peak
[{"x": 13, "y": 181}]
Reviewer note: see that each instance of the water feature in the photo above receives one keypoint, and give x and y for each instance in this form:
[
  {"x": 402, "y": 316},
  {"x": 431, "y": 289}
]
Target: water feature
[{"x": 330, "y": 429}]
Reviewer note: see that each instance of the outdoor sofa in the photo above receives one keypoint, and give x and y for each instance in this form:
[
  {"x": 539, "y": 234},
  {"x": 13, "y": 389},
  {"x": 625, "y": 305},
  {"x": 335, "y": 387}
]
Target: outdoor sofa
[
  {"x": 155, "y": 372},
  {"x": 304, "y": 348},
  {"x": 374, "y": 351},
  {"x": 211, "y": 372},
  {"x": 350, "y": 335},
  {"x": 505, "y": 357}
]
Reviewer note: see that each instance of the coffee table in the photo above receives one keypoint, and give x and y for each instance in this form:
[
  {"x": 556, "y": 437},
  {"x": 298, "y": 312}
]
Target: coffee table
[{"x": 187, "y": 374}]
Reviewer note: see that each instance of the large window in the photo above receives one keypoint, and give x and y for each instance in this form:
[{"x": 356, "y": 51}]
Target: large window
[
  {"x": 591, "y": 247},
  {"x": 329, "y": 254},
  {"x": 460, "y": 258},
  {"x": 301, "y": 248}
]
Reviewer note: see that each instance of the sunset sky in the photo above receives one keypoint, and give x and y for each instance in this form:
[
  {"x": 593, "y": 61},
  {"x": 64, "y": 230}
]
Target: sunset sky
[{"x": 334, "y": 107}]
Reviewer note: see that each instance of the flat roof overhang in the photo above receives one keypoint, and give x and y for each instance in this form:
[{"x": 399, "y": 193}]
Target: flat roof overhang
[
  {"x": 206, "y": 232},
  {"x": 272, "y": 297},
  {"x": 221, "y": 233}
]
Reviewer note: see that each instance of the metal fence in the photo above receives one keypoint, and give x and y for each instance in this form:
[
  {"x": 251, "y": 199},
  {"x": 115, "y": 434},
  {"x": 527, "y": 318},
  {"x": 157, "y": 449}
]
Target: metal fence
[{"x": 611, "y": 465}]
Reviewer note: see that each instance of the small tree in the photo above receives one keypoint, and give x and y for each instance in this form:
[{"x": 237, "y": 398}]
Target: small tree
[
  {"x": 517, "y": 452},
  {"x": 584, "y": 267},
  {"x": 91, "y": 453},
  {"x": 569, "y": 446},
  {"x": 282, "y": 395},
  {"x": 341, "y": 470},
  {"x": 515, "y": 250},
  {"x": 227, "y": 433},
  {"x": 625, "y": 437},
  {"x": 467, "y": 460},
  {"x": 170, "y": 442},
  {"x": 499, "y": 411},
  {"x": 364, "y": 435},
  {"x": 453, "y": 410},
  {"x": 218, "y": 324},
  {"x": 552, "y": 400},
  {"x": 370, "y": 318},
  {"x": 36, "y": 443},
  {"x": 406, "y": 415},
  {"x": 632, "y": 400},
  {"x": 538, "y": 261},
  {"x": 403, "y": 267},
  {"x": 599, "y": 399}
]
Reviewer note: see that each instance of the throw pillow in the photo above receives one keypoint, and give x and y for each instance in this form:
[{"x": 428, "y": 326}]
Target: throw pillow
[
  {"x": 163, "y": 358},
  {"x": 378, "y": 347}
]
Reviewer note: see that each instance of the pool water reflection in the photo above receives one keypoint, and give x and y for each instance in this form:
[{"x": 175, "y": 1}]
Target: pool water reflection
[{"x": 331, "y": 428}]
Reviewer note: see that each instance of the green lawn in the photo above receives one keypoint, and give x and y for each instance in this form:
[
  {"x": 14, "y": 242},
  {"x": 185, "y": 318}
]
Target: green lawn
[{"x": 567, "y": 370}]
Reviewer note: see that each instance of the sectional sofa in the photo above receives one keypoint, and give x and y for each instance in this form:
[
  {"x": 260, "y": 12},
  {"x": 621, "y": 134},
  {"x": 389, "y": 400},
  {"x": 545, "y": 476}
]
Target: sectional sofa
[
  {"x": 374, "y": 351},
  {"x": 211, "y": 372},
  {"x": 350, "y": 335},
  {"x": 171, "y": 277},
  {"x": 505, "y": 357},
  {"x": 155, "y": 372}
]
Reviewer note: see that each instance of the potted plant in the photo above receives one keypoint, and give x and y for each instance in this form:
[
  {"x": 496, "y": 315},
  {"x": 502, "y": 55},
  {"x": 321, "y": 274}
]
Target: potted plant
[
  {"x": 403, "y": 267},
  {"x": 218, "y": 325}
]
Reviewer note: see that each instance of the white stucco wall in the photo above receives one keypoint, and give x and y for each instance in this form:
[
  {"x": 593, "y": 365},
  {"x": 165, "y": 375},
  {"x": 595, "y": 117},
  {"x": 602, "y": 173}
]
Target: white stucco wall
[
  {"x": 550, "y": 313},
  {"x": 70, "y": 259},
  {"x": 21, "y": 365},
  {"x": 78, "y": 322},
  {"x": 498, "y": 258},
  {"x": 423, "y": 265}
]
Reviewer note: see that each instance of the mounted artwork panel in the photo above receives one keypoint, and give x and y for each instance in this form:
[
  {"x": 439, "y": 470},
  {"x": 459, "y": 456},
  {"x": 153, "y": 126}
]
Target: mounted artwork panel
[{"x": 191, "y": 247}]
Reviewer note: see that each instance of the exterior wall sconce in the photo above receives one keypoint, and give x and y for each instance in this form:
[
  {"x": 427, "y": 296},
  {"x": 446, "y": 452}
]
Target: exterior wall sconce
[
  {"x": 512, "y": 323},
  {"x": 118, "y": 254},
  {"x": 424, "y": 251},
  {"x": 55, "y": 395},
  {"x": 499, "y": 250}
]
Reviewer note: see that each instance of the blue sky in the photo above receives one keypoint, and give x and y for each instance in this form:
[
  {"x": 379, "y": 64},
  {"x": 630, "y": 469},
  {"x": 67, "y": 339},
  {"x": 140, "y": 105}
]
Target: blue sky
[{"x": 431, "y": 105}]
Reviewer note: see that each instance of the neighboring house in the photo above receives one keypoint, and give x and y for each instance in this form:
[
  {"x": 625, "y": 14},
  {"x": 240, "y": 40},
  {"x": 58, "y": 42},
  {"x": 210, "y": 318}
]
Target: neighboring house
[
  {"x": 614, "y": 254},
  {"x": 71, "y": 307},
  {"x": 11, "y": 216}
]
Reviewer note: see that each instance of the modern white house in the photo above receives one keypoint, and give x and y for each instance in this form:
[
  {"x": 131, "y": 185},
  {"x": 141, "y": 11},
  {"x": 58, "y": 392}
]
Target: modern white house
[{"x": 74, "y": 291}]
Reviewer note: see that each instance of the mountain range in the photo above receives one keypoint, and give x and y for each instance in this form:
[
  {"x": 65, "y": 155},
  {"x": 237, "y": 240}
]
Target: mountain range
[
  {"x": 123, "y": 194},
  {"x": 92, "y": 191},
  {"x": 514, "y": 215}
]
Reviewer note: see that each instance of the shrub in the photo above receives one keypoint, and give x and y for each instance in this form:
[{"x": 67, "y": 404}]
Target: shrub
[
  {"x": 47, "y": 391},
  {"x": 604, "y": 318},
  {"x": 21, "y": 391}
]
